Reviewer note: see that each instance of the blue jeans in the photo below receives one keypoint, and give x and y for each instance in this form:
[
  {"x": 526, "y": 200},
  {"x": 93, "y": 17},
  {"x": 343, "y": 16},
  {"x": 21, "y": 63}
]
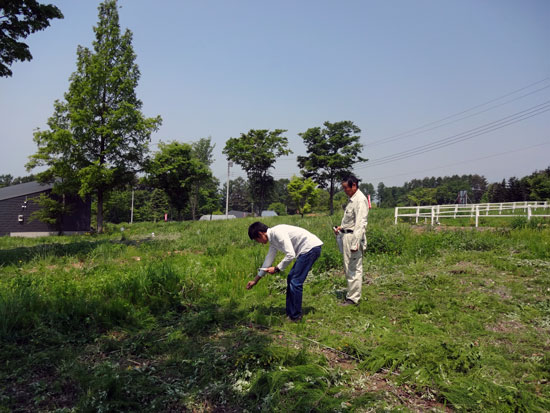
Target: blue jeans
[{"x": 295, "y": 281}]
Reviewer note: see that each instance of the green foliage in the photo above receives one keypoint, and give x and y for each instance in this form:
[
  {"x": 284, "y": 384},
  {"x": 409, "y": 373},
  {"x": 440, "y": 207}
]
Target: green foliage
[
  {"x": 18, "y": 20},
  {"x": 449, "y": 319},
  {"x": 97, "y": 138},
  {"x": 51, "y": 210},
  {"x": 332, "y": 152},
  {"x": 176, "y": 170},
  {"x": 278, "y": 207},
  {"x": 539, "y": 185},
  {"x": 422, "y": 196},
  {"x": 256, "y": 152},
  {"x": 304, "y": 194},
  {"x": 239, "y": 194}
]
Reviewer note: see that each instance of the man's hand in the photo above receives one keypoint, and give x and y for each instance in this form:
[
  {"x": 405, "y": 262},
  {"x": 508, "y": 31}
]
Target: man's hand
[
  {"x": 271, "y": 270},
  {"x": 251, "y": 284},
  {"x": 336, "y": 230}
]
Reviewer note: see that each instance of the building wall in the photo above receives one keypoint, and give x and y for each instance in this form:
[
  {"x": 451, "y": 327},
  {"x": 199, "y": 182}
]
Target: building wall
[{"x": 10, "y": 209}]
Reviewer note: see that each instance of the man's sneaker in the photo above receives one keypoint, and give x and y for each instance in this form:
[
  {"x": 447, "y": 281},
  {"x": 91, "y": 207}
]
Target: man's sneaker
[
  {"x": 347, "y": 302},
  {"x": 294, "y": 320}
]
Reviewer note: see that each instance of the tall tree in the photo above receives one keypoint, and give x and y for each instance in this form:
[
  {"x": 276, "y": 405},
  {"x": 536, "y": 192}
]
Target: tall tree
[
  {"x": 239, "y": 194},
  {"x": 422, "y": 196},
  {"x": 202, "y": 150},
  {"x": 539, "y": 185},
  {"x": 98, "y": 138},
  {"x": 304, "y": 194},
  {"x": 175, "y": 169},
  {"x": 18, "y": 19},
  {"x": 332, "y": 152},
  {"x": 5, "y": 180},
  {"x": 367, "y": 189},
  {"x": 256, "y": 152}
]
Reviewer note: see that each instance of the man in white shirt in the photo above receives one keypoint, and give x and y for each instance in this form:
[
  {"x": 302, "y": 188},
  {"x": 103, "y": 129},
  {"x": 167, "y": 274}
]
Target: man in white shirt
[
  {"x": 351, "y": 238},
  {"x": 293, "y": 242}
]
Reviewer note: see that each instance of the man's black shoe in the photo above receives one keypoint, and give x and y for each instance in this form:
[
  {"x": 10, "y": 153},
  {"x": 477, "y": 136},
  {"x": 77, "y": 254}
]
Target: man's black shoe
[{"x": 347, "y": 302}]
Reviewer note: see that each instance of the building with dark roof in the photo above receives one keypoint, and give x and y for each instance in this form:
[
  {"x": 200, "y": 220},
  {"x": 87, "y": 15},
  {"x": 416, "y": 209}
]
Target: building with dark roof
[{"x": 17, "y": 203}]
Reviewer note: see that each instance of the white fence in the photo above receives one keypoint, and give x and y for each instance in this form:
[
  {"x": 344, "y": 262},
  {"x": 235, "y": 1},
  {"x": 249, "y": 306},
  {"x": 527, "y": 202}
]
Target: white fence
[{"x": 494, "y": 210}]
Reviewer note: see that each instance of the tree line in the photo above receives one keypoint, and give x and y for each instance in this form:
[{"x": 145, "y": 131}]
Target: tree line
[
  {"x": 97, "y": 141},
  {"x": 446, "y": 190}
]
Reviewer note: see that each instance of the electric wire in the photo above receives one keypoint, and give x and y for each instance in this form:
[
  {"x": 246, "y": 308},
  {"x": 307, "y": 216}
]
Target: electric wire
[
  {"x": 399, "y": 137},
  {"x": 462, "y": 112},
  {"x": 464, "y": 162},
  {"x": 472, "y": 133}
]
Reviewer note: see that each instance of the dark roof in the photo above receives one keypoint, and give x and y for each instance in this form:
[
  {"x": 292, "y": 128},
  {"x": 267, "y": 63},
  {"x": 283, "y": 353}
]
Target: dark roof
[
  {"x": 239, "y": 214},
  {"x": 28, "y": 188}
]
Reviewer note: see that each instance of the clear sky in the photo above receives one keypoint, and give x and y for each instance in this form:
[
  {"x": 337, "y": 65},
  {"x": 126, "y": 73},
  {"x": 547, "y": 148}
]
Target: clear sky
[{"x": 463, "y": 85}]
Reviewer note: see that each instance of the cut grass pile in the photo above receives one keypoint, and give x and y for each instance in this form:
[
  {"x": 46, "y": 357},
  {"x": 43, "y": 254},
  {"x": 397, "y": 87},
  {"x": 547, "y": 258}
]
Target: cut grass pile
[{"x": 451, "y": 320}]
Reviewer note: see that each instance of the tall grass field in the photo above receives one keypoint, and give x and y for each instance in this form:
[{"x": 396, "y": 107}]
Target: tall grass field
[{"x": 156, "y": 318}]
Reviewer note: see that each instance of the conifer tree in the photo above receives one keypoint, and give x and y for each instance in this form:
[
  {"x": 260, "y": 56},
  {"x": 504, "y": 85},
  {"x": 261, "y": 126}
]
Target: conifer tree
[{"x": 97, "y": 138}]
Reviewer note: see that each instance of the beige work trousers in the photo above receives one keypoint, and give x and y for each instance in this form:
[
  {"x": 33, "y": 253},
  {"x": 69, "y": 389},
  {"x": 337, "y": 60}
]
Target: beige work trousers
[{"x": 353, "y": 266}]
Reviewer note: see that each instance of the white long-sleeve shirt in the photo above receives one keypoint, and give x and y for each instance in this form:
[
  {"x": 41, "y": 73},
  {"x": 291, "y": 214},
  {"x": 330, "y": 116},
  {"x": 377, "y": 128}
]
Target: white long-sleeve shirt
[
  {"x": 290, "y": 240},
  {"x": 355, "y": 218}
]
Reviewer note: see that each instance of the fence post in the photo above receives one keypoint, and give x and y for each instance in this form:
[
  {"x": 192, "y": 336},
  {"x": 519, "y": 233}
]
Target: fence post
[
  {"x": 500, "y": 209},
  {"x": 456, "y": 209},
  {"x": 529, "y": 213},
  {"x": 477, "y": 216},
  {"x": 396, "y": 214},
  {"x": 433, "y": 213},
  {"x": 417, "y": 213}
]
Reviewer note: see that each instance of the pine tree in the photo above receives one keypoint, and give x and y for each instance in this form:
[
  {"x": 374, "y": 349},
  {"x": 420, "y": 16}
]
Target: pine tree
[{"x": 97, "y": 138}]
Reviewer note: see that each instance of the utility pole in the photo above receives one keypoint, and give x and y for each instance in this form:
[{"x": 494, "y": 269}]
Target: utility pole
[{"x": 229, "y": 165}]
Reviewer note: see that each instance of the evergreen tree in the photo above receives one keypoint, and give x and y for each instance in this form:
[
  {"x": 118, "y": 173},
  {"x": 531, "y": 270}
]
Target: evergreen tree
[
  {"x": 332, "y": 152},
  {"x": 256, "y": 152},
  {"x": 97, "y": 138}
]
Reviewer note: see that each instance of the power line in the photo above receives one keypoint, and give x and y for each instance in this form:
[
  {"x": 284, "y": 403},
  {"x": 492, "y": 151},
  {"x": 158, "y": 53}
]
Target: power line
[
  {"x": 463, "y": 136},
  {"x": 399, "y": 137},
  {"x": 472, "y": 133},
  {"x": 460, "y": 113},
  {"x": 467, "y": 161}
]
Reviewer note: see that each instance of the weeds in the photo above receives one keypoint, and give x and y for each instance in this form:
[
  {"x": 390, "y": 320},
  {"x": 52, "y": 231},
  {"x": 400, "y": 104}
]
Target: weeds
[{"x": 450, "y": 320}]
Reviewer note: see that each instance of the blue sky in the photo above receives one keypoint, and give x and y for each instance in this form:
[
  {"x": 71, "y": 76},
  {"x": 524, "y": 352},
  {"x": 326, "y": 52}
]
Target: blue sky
[{"x": 220, "y": 68}]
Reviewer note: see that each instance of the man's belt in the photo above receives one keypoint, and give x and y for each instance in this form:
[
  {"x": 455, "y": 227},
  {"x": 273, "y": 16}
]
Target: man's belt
[{"x": 346, "y": 231}]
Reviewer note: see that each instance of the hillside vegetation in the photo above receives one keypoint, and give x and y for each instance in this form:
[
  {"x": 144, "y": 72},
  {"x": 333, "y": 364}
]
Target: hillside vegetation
[{"x": 156, "y": 317}]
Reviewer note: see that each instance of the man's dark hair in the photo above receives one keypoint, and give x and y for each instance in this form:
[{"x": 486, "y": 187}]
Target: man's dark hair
[
  {"x": 255, "y": 228},
  {"x": 350, "y": 180}
]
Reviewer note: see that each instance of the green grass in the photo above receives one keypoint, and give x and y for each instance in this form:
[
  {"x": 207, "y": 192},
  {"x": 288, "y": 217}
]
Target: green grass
[{"x": 451, "y": 320}]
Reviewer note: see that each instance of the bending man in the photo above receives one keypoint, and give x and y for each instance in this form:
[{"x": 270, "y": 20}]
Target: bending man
[{"x": 293, "y": 242}]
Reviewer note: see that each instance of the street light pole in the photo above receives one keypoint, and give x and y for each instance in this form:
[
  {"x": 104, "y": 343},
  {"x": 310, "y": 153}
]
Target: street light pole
[{"x": 229, "y": 165}]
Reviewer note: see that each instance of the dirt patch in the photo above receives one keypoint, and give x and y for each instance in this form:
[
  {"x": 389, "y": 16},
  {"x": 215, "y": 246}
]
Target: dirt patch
[
  {"x": 464, "y": 267},
  {"x": 381, "y": 382},
  {"x": 505, "y": 326},
  {"x": 404, "y": 395}
]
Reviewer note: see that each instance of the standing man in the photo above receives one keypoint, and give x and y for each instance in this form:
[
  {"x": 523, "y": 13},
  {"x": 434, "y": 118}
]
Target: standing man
[
  {"x": 294, "y": 242},
  {"x": 351, "y": 238}
]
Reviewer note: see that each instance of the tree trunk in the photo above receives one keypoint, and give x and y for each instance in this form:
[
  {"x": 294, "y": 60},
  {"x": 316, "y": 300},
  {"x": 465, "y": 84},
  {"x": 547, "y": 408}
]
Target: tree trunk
[
  {"x": 100, "y": 211},
  {"x": 194, "y": 201},
  {"x": 331, "y": 197}
]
